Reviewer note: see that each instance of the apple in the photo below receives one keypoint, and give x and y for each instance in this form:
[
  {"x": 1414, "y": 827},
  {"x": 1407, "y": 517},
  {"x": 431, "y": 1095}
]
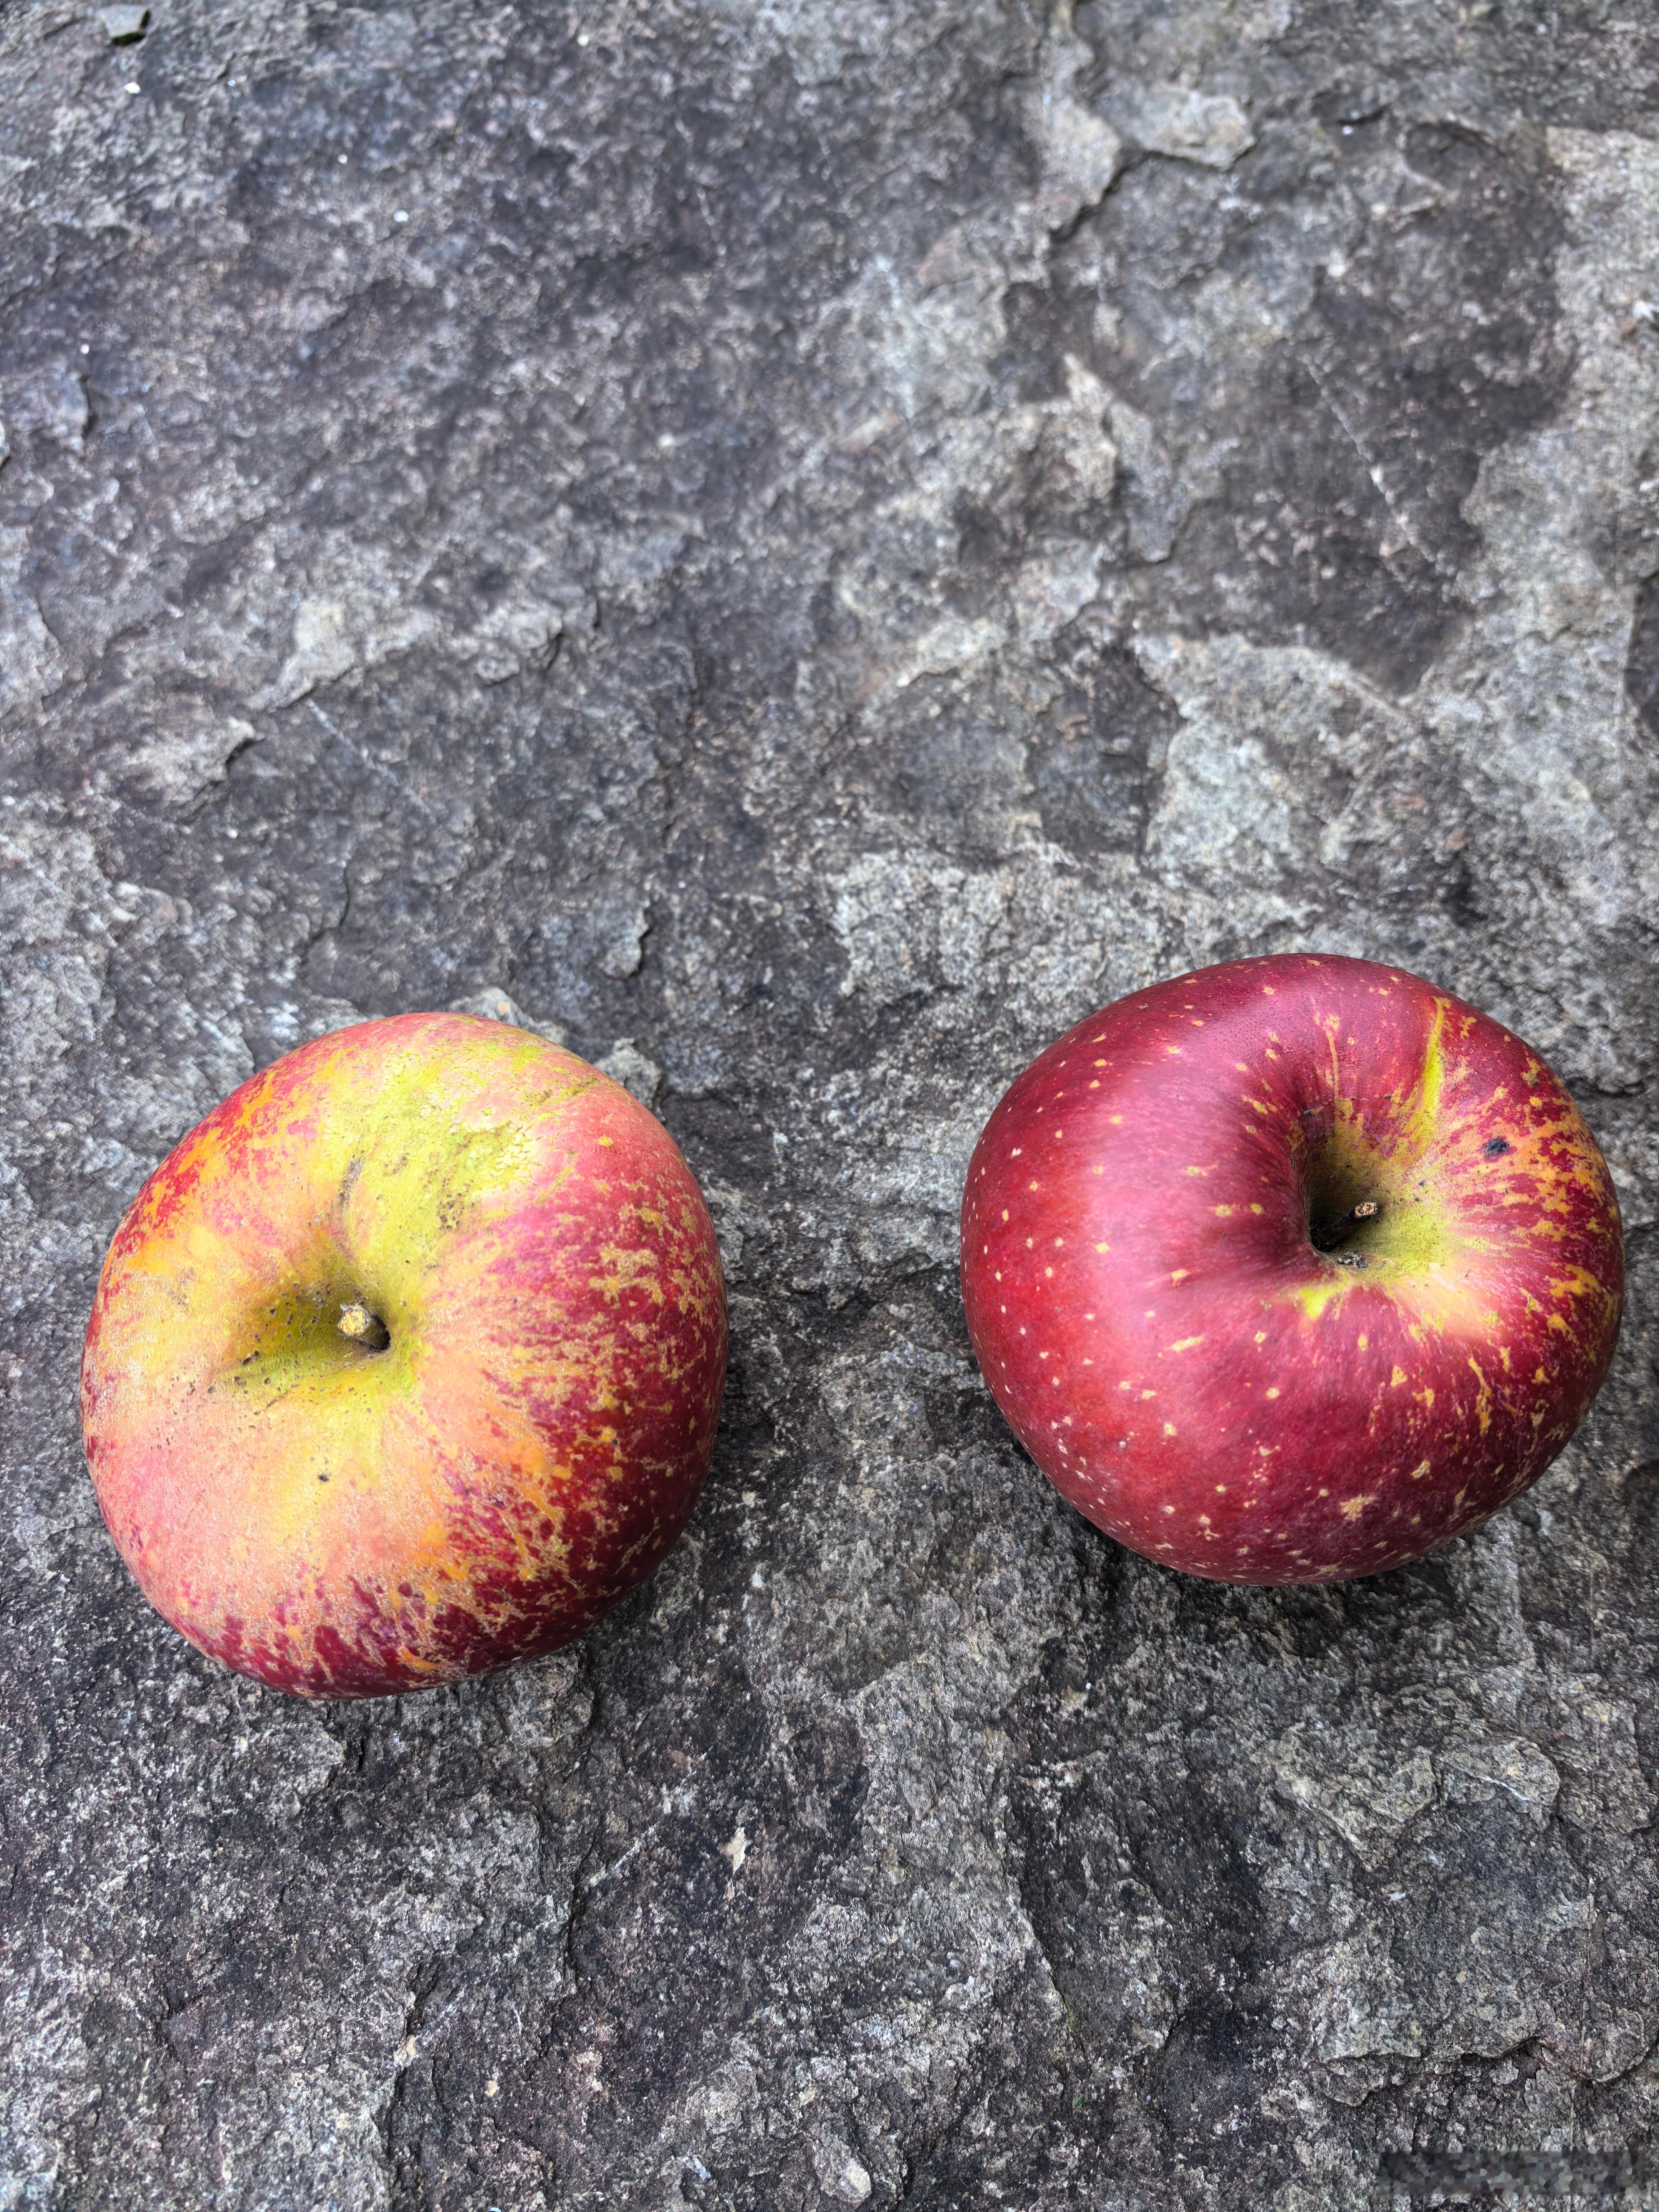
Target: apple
[
  {"x": 1292, "y": 1268},
  {"x": 405, "y": 1364}
]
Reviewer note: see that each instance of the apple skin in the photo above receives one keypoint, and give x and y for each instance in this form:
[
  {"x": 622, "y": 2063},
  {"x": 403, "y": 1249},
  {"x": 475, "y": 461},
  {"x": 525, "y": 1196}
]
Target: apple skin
[
  {"x": 344, "y": 1522},
  {"x": 1148, "y": 1305}
]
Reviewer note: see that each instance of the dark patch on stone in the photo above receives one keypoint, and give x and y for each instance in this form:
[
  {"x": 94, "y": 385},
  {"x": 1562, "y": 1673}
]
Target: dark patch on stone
[
  {"x": 1093, "y": 758},
  {"x": 1642, "y": 664},
  {"x": 1583, "y": 66},
  {"x": 1359, "y": 439}
]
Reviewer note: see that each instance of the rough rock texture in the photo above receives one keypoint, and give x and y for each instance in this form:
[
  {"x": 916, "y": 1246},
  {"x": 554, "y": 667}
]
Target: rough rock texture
[{"x": 807, "y": 543}]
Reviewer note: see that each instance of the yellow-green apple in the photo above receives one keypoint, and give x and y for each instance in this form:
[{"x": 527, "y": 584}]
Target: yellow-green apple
[
  {"x": 405, "y": 1364},
  {"x": 1290, "y": 1269}
]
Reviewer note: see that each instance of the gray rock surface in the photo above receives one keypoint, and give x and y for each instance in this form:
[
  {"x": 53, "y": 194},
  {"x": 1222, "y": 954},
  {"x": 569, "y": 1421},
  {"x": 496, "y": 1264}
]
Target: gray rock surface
[{"x": 803, "y": 544}]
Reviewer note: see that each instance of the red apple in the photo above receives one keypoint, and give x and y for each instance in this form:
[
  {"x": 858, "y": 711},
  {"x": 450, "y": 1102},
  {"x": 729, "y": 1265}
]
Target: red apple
[
  {"x": 405, "y": 1364},
  {"x": 1290, "y": 1269}
]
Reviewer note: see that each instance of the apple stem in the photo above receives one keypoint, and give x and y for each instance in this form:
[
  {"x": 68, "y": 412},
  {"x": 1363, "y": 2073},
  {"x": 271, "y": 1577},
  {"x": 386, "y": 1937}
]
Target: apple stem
[{"x": 364, "y": 1327}]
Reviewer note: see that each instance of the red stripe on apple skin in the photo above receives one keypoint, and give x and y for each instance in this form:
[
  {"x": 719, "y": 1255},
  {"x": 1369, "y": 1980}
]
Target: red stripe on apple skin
[
  {"x": 348, "y": 1524},
  {"x": 1165, "y": 1341}
]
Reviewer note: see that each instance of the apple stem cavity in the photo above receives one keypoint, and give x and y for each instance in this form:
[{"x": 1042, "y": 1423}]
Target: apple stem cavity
[
  {"x": 364, "y": 1327},
  {"x": 1329, "y": 1234}
]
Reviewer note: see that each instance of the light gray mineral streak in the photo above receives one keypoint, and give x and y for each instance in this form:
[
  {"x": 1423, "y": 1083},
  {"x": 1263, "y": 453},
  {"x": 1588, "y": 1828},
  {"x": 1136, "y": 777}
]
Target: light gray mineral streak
[{"x": 123, "y": 26}]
